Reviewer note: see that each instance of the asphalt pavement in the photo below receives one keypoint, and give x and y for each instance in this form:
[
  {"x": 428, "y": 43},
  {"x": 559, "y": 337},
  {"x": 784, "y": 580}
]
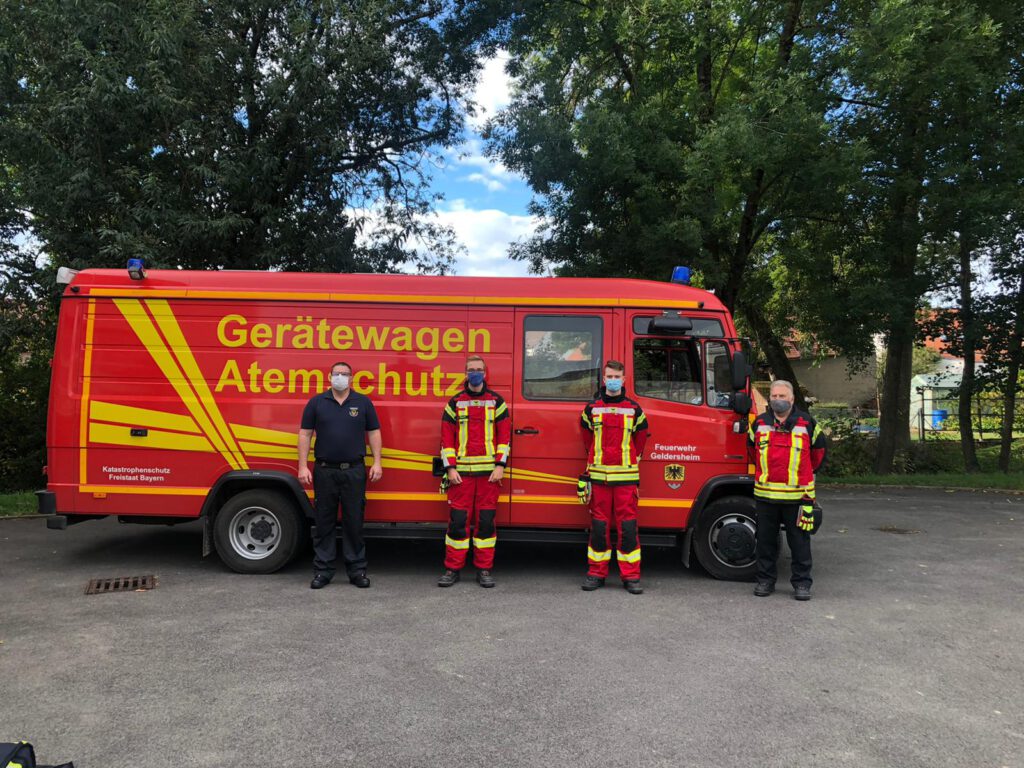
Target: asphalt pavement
[{"x": 911, "y": 653}]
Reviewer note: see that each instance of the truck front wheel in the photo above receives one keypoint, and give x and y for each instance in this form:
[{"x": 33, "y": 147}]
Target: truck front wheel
[
  {"x": 256, "y": 531},
  {"x": 724, "y": 538}
]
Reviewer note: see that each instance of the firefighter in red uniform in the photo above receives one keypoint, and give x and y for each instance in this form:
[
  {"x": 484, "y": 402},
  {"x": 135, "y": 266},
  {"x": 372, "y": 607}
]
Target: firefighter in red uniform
[
  {"x": 475, "y": 433},
  {"x": 786, "y": 447},
  {"x": 616, "y": 431}
]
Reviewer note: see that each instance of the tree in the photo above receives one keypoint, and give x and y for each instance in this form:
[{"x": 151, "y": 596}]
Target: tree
[
  {"x": 680, "y": 131},
  {"x": 910, "y": 69},
  {"x": 237, "y": 134},
  {"x": 1001, "y": 316}
]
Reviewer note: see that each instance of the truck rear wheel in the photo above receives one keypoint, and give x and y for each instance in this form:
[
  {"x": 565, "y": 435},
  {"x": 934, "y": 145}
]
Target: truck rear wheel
[
  {"x": 256, "y": 531},
  {"x": 724, "y": 538}
]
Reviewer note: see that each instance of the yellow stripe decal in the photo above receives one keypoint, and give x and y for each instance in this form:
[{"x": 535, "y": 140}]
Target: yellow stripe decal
[
  {"x": 179, "y": 347},
  {"x": 529, "y": 499},
  {"x": 268, "y": 451},
  {"x": 262, "y": 435},
  {"x": 144, "y": 490},
  {"x": 140, "y": 417},
  {"x": 150, "y": 338},
  {"x": 375, "y": 298},
  {"x": 113, "y": 434},
  {"x": 83, "y": 433},
  {"x": 383, "y": 496}
]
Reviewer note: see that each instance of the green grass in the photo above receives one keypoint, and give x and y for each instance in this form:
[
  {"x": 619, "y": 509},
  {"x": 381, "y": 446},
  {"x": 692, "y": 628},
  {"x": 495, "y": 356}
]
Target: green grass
[
  {"x": 1013, "y": 481},
  {"x": 17, "y": 504}
]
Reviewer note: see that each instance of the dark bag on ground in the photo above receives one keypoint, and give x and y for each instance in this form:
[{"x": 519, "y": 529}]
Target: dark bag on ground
[{"x": 21, "y": 755}]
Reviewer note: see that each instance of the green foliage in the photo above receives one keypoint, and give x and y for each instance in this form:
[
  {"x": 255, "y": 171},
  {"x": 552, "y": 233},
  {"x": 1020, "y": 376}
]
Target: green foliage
[
  {"x": 241, "y": 134},
  {"x": 27, "y": 325},
  {"x": 632, "y": 148},
  {"x": 818, "y": 162},
  {"x": 849, "y": 452},
  {"x": 237, "y": 134},
  {"x": 17, "y": 504}
]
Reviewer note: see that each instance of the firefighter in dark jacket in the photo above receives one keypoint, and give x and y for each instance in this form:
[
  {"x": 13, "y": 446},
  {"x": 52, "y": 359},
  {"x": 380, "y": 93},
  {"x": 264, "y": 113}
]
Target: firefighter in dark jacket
[
  {"x": 786, "y": 447},
  {"x": 475, "y": 434},
  {"x": 616, "y": 431}
]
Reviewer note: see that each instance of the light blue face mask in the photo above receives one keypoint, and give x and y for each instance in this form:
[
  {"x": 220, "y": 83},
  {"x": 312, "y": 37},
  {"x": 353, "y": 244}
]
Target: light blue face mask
[{"x": 614, "y": 386}]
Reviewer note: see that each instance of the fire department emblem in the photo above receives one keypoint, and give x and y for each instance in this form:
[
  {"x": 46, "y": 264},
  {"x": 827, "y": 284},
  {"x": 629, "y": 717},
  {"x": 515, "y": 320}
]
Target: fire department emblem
[
  {"x": 674, "y": 475},
  {"x": 353, "y": 411}
]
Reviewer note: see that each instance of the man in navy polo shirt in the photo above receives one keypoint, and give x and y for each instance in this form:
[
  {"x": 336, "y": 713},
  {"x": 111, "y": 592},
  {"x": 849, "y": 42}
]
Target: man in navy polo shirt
[{"x": 343, "y": 421}]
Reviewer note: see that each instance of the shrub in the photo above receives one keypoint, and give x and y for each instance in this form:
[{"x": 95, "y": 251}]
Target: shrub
[{"x": 849, "y": 453}]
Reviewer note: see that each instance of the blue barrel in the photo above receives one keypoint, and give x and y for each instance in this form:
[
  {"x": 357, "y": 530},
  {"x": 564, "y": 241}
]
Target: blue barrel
[{"x": 939, "y": 417}]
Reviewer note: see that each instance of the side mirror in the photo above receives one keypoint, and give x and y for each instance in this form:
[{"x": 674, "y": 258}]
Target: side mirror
[
  {"x": 740, "y": 370},
  {"x": 741, "y": 402}
]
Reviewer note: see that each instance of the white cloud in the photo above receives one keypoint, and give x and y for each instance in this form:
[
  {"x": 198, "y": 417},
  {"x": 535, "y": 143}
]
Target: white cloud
[
  {"x": 493, "y": 89},
  {"x": 493, "y": 185},
  {"x": 487, "y": 234}
]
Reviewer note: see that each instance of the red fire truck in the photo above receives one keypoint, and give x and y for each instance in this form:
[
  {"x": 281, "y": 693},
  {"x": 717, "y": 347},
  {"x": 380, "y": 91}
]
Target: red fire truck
[{"x": 176, "y": 396}]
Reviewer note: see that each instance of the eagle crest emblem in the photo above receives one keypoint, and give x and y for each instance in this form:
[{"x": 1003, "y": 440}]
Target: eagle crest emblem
[{"x": 674, "y": 475}]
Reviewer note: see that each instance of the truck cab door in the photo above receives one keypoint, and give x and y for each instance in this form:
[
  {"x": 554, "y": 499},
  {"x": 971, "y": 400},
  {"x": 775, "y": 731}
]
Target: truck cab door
[{"x": 558, "y": 361}]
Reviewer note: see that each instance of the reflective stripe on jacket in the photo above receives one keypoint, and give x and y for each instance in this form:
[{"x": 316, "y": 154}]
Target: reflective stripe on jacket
[
  {"x": 475, "y": 432},
  {"x": 617, "y": 430},
  {"x": 785, "y": 455}
]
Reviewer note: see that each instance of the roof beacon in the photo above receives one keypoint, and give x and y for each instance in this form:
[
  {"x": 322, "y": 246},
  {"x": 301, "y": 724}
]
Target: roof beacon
[
  {"x": 681, "y": 275},
  {"x": 136, "y": 271}
]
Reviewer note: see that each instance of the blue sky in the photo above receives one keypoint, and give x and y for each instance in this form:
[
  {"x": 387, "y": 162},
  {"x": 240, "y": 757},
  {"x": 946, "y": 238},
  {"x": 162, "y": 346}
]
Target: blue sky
[{"x": 485, "y": 203}]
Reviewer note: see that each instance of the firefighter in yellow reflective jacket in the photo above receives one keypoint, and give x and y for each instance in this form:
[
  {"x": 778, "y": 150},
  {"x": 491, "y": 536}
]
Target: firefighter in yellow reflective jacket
[
  {"x": 475, "y": 434},
  {"x": 616, "y": 430},
  {"x": 786, "y": 447}
]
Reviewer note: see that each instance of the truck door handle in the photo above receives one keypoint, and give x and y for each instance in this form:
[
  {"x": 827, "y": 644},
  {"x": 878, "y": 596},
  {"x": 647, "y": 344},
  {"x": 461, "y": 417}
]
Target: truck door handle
[{"x": 527, "y": 431}]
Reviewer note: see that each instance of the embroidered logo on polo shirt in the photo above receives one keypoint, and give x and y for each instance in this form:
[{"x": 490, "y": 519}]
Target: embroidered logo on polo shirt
[{"x": 353, "y": 411}]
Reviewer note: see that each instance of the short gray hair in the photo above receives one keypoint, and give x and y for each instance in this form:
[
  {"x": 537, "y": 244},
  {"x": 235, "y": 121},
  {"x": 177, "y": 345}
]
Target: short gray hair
[{"x": 783, "y": 383}]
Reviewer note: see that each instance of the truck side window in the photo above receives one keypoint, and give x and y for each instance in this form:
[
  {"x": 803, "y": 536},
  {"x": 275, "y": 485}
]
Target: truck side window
[
  {"x": 668, "y": 369},
  {"x": 718, "y": 374},
  {"x": 561, "y": 357}
]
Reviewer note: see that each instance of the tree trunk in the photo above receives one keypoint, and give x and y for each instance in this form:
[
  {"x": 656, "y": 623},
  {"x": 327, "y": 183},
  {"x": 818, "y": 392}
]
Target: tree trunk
[
  {"x": 904, "y": 237},
  {"x": 969, "y": 346},
  {"x": 894, "y": 422},
  {"x": 773, "y": 350},
  {"x": 1015, "y": 357}
]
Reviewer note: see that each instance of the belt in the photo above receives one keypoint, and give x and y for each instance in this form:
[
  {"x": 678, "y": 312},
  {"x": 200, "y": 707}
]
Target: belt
[{"x": 337, "y": 465}]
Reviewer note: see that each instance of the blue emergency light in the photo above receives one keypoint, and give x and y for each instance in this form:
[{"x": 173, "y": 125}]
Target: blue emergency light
[
  {"x": 681, "y": 275},
  {"x": 136, "y": 270}
]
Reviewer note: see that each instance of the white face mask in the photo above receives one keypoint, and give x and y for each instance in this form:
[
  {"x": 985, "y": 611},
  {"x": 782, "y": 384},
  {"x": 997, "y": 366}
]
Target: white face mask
[{"x": 339, "y": 381}]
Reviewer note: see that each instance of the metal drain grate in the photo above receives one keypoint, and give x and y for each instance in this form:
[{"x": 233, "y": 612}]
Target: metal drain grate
[{"x": 121, "y": 584}]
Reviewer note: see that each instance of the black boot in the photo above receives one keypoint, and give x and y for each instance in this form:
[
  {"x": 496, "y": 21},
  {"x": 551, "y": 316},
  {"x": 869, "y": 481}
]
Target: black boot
[
  {"x": 448, "y": 578},
  {"x": 590, "y": 583}
]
